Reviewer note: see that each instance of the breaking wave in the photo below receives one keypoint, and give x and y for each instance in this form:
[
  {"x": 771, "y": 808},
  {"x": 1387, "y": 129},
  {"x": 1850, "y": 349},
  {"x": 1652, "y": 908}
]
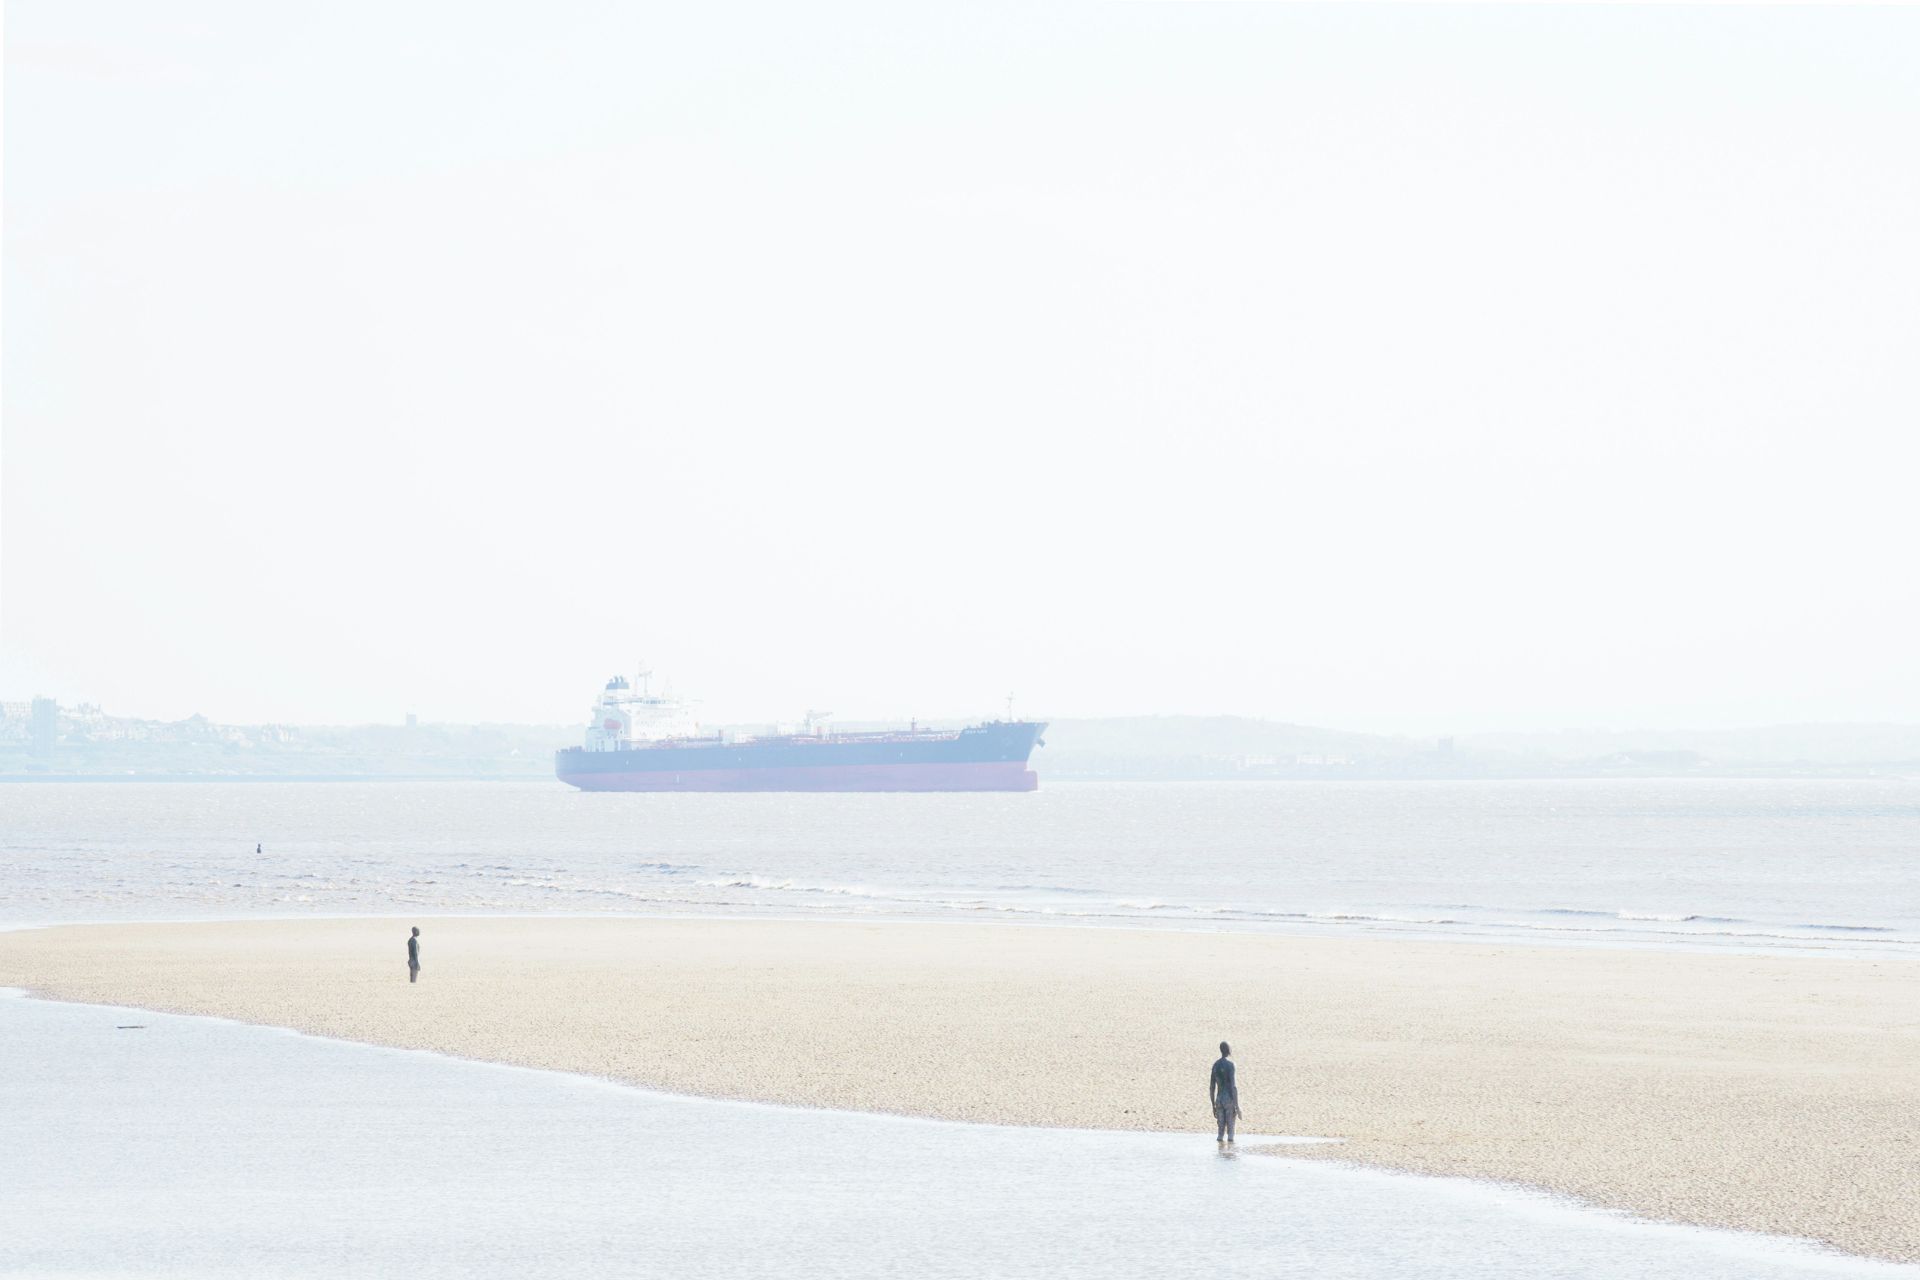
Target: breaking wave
[{"x": 1080, "y": 903}]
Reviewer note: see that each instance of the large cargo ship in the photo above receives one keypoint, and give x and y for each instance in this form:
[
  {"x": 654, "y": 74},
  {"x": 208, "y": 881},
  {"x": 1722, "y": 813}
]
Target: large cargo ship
[{"x": 641, "y": 741}]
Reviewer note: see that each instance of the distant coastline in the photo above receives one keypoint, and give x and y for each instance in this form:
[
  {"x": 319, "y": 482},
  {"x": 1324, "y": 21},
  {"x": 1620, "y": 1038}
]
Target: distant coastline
[
  {"x": 190, "y": 778},
  {"x": 43, "y": 742},
  {"x": 1783, "y": 773}
]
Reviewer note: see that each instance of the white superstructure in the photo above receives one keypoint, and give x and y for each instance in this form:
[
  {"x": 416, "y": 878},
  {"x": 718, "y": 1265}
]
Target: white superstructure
[{"x": 629, "y": 712}]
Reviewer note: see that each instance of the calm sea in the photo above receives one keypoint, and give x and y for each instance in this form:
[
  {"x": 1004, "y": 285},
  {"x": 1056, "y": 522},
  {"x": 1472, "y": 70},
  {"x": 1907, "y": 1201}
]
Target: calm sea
[{"x": 1800, "y": 864}]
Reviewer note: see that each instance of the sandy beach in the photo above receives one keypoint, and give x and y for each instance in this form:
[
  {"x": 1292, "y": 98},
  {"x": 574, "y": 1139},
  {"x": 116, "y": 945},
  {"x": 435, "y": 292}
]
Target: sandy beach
[{"x": 1770, "y": 1093}]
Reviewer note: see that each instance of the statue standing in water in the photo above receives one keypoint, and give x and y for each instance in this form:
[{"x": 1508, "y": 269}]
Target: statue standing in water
[{"x": 1225, "y": 1094}]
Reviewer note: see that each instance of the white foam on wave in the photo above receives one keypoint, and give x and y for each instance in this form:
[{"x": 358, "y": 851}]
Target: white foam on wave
[
  {"x": 1087, "y": 904},
  {"x": 774, "y": 884}
]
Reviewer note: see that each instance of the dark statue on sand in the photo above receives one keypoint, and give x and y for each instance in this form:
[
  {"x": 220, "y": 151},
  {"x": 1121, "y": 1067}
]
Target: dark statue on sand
[{"x": 1224, "y": 1094}]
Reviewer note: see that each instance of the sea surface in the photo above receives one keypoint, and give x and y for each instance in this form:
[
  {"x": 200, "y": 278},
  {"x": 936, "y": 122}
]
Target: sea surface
[
  {"x": 1806, "y": 865},
  {"x": 136, "y": 1143}
]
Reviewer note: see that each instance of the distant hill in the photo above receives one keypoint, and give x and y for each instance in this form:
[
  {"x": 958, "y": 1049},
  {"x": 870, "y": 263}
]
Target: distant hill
[
  {"x": 1218, "y": 747},
  {"x": 1240, "y": 747},
  {"x": 1813, "y": 746}
]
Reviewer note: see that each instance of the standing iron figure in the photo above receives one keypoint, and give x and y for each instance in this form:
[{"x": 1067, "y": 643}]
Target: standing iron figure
[{"x": 1224, "y": 1094}]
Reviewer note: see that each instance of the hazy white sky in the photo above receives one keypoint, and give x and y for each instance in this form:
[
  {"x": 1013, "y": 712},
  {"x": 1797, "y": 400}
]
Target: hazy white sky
[{"x": 1393, "y": 368}]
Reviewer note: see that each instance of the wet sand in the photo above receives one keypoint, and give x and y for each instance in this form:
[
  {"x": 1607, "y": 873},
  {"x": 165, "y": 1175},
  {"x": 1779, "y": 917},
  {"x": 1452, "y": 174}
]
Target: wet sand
[{"x": 1771, "y": 1093}]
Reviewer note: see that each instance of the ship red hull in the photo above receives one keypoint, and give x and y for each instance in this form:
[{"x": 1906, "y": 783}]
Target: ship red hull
[{"x": 987, "y": 775}]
